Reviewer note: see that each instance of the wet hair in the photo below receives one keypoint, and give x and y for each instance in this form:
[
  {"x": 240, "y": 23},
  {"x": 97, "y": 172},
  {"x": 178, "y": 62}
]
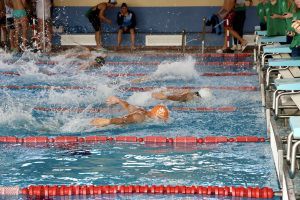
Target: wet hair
[
  {"x": 100, "y": 60},
  {"x": 124, "y": 5}
]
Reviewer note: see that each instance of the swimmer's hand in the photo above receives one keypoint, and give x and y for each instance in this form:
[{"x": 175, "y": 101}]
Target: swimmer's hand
[
  {"x": 112, "y": 100},
  {"x": 100, "y": 122}
]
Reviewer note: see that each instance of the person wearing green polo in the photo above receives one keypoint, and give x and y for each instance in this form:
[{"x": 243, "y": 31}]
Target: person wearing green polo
[
  {"x": 276, "y": 26},
  {"x": 261, "y": 12},
  {"x": 295, "y": 45}
]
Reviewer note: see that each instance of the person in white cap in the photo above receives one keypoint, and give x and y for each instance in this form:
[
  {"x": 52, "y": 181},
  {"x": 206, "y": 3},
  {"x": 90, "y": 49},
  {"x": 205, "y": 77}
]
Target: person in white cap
[
  {"x": 43, "y": 13},
  {"x": 95, "y": 15}
]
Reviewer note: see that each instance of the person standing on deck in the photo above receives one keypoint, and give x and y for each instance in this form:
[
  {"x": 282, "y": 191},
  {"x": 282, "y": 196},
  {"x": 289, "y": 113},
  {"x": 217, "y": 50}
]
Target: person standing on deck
[
  {"x": 261, "y": 12},
  {"x": 95, "y": 15},
  {"x": 20, "y": 19},
  {"x": 227, "y": 14},
  {"x": 10, "y": 27}
]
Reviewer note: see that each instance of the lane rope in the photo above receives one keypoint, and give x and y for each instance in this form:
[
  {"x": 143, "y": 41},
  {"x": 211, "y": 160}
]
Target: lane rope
[
  {"x": 63, "y": 190},
  {"x": 132, "y": 139}
]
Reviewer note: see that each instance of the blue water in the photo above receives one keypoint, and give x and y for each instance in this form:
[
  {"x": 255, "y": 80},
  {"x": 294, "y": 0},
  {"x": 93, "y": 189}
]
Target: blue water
[{"x": 218, "y": 164}]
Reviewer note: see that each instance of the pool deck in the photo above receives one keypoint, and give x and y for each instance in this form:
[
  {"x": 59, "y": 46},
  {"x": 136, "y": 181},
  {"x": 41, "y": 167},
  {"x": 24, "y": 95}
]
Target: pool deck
[{"x": 278, "y": 130}]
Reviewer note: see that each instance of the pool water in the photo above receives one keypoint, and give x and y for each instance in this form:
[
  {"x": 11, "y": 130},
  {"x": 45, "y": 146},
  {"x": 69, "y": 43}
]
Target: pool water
[{"x": 233, "y": 164}]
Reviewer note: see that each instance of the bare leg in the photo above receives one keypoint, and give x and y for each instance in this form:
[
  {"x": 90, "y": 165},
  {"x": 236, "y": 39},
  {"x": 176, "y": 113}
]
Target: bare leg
[
  {"x": 17, "y": 35},
  {"x": 132, "y": 38},
  {"x": 237, "y": 36},
  {"x": 3, "y": 35},
  {"x": 24, "y": 23},
  {"x": 120, "y": 33},
  {"x": 98, "y": 39},
  {"x": 49, "y": 36}
]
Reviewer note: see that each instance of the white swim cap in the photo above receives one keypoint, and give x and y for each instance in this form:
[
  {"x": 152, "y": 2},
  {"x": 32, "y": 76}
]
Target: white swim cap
[{"x": 204, "y": 93}]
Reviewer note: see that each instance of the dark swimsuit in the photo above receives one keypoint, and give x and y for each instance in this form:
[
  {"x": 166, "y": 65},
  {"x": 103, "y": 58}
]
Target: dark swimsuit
[{"x": 93, "y": 15}]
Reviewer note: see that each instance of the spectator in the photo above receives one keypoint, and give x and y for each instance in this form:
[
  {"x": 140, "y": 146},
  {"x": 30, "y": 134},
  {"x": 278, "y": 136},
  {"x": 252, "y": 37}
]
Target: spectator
[
  {"x": 276, "y": 25},
  {"x": 227, "y": 14},
  {"x": 288, "y": 8},
  {"x": 42, "y": 8},
  {"x": 20, "y": 20},
  {"x": 95, "y": 15},
  {"x": 127, "y": 22},
  {"x": 295, "y": 45},
  {"x": 239, "y": 20},
  {"x": 261, "y": 12}
]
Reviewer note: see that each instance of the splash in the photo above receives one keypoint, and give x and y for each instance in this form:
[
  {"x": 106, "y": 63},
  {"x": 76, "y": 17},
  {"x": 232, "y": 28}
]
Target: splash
[
  {"x": 140, "y": 98},
  {"x": 183, "y": 69}
]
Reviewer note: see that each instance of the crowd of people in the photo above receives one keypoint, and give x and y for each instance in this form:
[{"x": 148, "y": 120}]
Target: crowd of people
[
  {"x": 16, "y": 16},
  {"x": 281, "y": 17}
]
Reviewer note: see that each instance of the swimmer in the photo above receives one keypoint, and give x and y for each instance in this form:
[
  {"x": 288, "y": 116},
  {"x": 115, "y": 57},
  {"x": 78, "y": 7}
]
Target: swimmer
[
  {"x": 179, "y": 95},
  {"x": 84, "y": 53},
  {"x": 136, "y": 114}
]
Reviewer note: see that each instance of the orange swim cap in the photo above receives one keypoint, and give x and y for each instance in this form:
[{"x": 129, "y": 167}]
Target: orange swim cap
[{"x": 160, "y": 111}]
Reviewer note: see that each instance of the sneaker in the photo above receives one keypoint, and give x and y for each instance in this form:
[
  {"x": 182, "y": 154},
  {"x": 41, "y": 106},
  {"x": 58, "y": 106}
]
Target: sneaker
[{"x": 219, "y": 51}]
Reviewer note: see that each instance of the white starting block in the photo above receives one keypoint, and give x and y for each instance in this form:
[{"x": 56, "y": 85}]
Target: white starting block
[
  {"x": 165, "y": 40},
  {"x": 81, "y": 39}
]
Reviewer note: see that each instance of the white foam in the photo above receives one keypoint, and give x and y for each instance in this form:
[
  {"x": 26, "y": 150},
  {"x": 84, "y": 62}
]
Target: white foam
[
  {"x": 140, "y": 98},
  {"x": 183, "y": 69}
]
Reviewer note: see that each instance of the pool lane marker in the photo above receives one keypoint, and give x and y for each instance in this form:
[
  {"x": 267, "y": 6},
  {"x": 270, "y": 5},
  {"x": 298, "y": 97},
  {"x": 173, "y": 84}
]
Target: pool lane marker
[
  {"x": 113, "y": 75},
  {"x": 40, "y": 191},
  {"x": 113, "y": 110},
  {"x": 132, "y": 89},
  {"x": 156, "y": 63},
  {"x": 180, "y": 55},
  {"x": 131, "y": 139}
]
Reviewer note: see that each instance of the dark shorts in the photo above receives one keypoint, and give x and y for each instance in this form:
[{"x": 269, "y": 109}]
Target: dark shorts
[
  {"x": 96, "y": 23},
  {"x": 230, "y": 18},
  {"x": 2, "y": 21},
  {"x": 127, "y": 30},
  {"x": 10, "y": 23}
]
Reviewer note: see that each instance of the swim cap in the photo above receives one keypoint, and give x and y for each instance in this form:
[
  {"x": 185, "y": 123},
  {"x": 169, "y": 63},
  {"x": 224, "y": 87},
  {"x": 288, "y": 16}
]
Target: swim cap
[
  {"x": 203, "y": 93},
  {"x": 160, "y": 111},
  {"x": 112, "y": 1},
  {"x": 100, "y": 60}
]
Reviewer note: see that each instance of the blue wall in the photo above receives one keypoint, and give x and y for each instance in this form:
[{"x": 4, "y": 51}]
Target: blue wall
[{"x": 149, "y": 19}]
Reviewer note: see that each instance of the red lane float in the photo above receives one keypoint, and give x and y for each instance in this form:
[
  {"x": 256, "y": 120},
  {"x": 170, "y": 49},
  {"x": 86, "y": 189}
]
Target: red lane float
[
  {"x": 10, "y": 73},
  {"x": 240, "y": 88},
  {"x": 205, "y": 55},
  {"x": 211, "y": 74},
  {"x": 131, "y": 89},
  {"x": 132, "y": 139},
  {"x": 219, "y": 64},
  {"x": 63, "y": 190},
  {"x": 206, "y": 109},
  {"x": 107, "y": 110}
]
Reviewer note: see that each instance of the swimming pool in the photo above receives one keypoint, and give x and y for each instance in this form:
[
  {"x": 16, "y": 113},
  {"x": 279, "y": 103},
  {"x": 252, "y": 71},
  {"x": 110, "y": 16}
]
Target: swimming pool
[{"x": 234, "y": 164}]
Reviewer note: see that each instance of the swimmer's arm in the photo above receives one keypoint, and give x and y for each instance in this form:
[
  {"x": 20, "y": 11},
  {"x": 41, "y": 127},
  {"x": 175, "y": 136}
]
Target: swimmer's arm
[
  {"x": 128, "y": 119},
  {"x": 115, "y": 100},
  {"x": 139, "y": 80}
]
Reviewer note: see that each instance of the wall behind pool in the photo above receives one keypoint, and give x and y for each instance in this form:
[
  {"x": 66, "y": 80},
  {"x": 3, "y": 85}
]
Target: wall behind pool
[{"x": 155, "y": 16}]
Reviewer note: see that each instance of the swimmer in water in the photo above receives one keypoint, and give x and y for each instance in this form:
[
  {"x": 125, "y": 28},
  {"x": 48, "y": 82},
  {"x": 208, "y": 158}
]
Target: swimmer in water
[
  {"x": 84, "y": 53},
  {"x": 135, "y": 114},
  {"x": 178, "y": 95}
]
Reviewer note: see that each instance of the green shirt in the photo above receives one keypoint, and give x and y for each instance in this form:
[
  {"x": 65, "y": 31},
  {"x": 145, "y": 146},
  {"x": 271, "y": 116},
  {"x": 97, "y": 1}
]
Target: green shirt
[
  {"x": 275, "y": 27},
  {"x": 286, "y": 9},
  {"x": 296, "y": 39},
  {"x": 261, "y": 12}
]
